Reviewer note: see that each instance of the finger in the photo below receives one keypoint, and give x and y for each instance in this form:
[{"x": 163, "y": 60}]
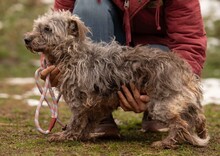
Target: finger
[
  {"x": 123, "y": 102},
  {"x": 55, "y": 81},
  {"x": 131, "y": 101},
  {"x": 141, "y": 100},
  {"x": 136, "y": 93},
  {"x": 144, "y": 98},
  {"x": 54, "y": 73},
  {"x": 45, "y": 72},
  {"x": 123, "y": 107}
]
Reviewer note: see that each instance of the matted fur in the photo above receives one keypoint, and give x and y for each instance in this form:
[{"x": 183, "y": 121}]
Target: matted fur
[{"x": 92, "y": 73}]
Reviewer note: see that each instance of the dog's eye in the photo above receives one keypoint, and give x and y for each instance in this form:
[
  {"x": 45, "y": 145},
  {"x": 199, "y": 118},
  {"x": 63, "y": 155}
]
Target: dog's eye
[{"x": 47, "y": 29}]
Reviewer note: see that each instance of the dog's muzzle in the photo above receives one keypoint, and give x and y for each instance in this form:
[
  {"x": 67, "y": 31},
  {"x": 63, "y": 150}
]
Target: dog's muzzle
[{"x": 27, "y": 41}]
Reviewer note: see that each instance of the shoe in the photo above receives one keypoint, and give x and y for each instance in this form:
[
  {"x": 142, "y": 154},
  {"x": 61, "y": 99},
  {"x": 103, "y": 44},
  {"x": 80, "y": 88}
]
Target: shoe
[
  {"x": 107, "y": 129},
  {"x": 152, "y": 125}
]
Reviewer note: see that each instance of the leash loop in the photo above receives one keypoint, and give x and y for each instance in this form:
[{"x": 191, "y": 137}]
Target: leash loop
[{"x": 52, "y": 106}]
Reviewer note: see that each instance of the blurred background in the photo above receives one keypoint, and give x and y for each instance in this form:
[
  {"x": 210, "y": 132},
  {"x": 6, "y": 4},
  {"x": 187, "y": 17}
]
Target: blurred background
[{"x": 16, "y": 18}]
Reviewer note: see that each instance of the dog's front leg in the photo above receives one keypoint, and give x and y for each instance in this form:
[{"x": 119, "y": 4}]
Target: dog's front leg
[{"x": 74, "y": 130}]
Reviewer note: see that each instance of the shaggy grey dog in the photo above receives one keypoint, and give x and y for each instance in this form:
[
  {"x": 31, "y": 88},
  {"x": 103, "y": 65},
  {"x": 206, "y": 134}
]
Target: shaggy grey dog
[{"x": 92, "y": 73}]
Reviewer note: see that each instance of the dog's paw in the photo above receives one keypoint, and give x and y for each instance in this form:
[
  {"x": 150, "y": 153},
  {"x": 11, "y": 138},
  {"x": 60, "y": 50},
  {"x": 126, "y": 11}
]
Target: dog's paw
[
  {"x": 163, "y": 145},
  {"x": 61, "y": 136},
  {"x": 157, "y": 144},
  {"x": 96, "y": 135},
  {"x": 56, "y": 137}
]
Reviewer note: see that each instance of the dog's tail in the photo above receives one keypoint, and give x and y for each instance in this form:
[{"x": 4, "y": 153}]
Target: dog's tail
[
  {"x": 194, "y": 139},
  {"x": 197, "y": 141},
  {"x": 200, "y": 137}
]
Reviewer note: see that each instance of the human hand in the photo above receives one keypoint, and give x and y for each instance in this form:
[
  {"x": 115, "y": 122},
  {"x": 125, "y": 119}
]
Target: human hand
[
  {"x": 132, "y": 100},
  {"x": 54, "y": 75}
]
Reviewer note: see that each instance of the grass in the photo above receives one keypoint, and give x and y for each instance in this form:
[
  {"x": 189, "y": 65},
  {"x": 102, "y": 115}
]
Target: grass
[
  {"x": 19, "y": 137},
  {"x": 212, "y": 64}
]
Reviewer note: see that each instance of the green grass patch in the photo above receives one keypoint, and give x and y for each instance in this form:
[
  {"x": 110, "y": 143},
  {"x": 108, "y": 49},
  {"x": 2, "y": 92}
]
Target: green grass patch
[
  {"x": 17, "y": 19},
  {"x": 212, "y": 64}
]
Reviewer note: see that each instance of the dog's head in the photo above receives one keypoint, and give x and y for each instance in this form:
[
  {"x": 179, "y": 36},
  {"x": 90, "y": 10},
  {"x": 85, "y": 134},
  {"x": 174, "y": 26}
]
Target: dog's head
[{"x": 55, "y": 28}]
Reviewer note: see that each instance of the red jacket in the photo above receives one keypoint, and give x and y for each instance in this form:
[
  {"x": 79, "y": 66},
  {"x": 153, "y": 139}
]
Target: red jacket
[{"x": 175, "y": 23}]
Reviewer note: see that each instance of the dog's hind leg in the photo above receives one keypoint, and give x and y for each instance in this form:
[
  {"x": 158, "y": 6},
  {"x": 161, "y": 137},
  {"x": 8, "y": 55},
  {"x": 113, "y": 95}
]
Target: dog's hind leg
[
  {"x": 177, "y": 130},
  {"x": 197, "y": 132},
  {"x": 183, "y": 128}
]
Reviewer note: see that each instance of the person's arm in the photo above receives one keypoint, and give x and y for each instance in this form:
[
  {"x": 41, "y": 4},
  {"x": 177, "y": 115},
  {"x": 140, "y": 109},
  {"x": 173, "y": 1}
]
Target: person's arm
[
  {"x": 64, "y": 5},
  {"x": 186, "y": 31}
]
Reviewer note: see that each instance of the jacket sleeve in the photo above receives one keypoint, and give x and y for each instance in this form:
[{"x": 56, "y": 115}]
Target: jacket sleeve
[
  {"x": 186, "y": 32},
  {"x": 64, "y": 5}
]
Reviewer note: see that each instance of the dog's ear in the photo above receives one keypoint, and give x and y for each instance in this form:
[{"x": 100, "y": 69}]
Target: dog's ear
[
  {"x": 77, "y": 28},
  {"x": 73, "y": 28}
]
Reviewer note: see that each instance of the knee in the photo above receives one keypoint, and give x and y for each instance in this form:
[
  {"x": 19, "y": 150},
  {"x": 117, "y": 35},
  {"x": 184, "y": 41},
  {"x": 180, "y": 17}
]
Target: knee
[
  {"x": 91, "y": 8},
  {"x": 102, "y": 19}
]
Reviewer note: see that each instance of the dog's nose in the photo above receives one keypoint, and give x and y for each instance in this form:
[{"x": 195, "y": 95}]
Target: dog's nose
[{"x": 27, "y": 40}]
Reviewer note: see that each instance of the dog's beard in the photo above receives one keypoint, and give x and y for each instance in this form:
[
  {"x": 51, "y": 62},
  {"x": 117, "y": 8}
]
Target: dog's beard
[{"x": 36, "y": 47}]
